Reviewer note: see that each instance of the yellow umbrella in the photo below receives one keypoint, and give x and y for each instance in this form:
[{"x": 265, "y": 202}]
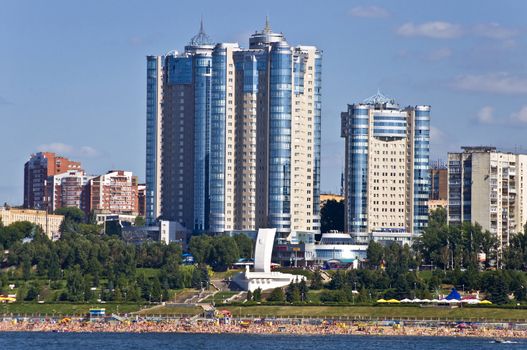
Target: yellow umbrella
[
  {"x": 393, "y": 301},
  {"x": 485, "y": 302},
  {"x": 381, "y": 301}
]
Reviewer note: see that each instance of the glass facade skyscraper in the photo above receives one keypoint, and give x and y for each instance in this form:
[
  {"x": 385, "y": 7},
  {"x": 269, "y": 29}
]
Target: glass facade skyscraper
[
  {"x": 240, "y": 135},
  {"x": 387, "y": 182}
]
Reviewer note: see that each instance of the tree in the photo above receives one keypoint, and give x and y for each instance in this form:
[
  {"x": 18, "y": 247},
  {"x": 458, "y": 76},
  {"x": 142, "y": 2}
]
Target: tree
[
  {"x": 199, "y": 247},
  {"x": 277, "y": 295},
  {"x": 75, "y": 284},
  {"x": 496, "y": 287},
  {"x": 71, "y": 213},
  {"x": 156, "y": 290},
  {"x": 223, "y": 253},
  {"x": 332, "y": 216},
  {"x": 374, "y": 254},
  {"x": 316, "y": 280},
  {"x": 139, "y": 221},
  {"x": 257, "y": 295},
  {"x": 54, "y": 272},
  {"x": 32, "y": 292},
  {"x": 292, "y": 295},
  {"x": 72, "y": 218},
  {"x": 245, "y": 245}
]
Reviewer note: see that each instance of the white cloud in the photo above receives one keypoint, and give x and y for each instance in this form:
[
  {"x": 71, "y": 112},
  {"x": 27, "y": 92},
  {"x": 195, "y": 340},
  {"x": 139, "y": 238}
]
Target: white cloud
[
  {"x": 369, "y": 12},
  {"x": 439, "y": 54},
  {"x": 436, "y": 30},
  {"x": 437, "y": 135},
  {"x": 56, "y": 147},
  {"x": 87, "y": 151},
  {"x": 494, "y": 31},
  {"x": 498, "y": 83},
  {"x": 447, "y": 30},
  {"x": 68, "y": 150},
  {"x": 486, "y": 115},
  {"x": 520, "y": 116}
]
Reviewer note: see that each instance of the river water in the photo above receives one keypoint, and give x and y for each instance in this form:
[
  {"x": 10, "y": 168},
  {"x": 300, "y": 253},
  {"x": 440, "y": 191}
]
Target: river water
[{"x": 164, "y": 341}]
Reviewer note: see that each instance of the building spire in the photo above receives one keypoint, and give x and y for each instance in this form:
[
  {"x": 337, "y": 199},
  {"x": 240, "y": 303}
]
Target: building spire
[
  {"x": 201, "y": 29},
  {"x": 267, "y": 28},
  {"x": 201, "y": 38}
]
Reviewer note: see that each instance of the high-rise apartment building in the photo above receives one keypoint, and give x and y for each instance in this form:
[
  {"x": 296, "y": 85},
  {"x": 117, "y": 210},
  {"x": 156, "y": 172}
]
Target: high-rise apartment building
[
  {"x": 486, "y": 186},
  {"x": 69, "y": 190},
  {"x": 141, "y": 200},
  {"x": 233, "y": 135},
  {"x": 387, "y": 180},
  {"x": 114, "y": 192},
  {"x": 36, "y": 172},
  {"x": 438, "y": 183}
]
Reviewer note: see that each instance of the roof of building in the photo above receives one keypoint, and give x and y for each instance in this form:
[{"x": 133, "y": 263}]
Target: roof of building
[{"x": 201, "y": 38}]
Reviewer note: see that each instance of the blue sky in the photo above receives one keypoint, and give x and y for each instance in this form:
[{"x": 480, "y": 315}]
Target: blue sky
[{"x": 72, "y": 73}]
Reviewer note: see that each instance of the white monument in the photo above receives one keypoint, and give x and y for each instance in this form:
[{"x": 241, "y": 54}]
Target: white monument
[{"x": 262, "y": 277}]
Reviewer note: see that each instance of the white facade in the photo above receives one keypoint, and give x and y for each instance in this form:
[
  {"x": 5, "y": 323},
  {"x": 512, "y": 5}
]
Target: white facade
[
  {"x": 167, "y": 231},
  {"x": 262, "y": 277},
  {"x": 339, "y": 246},
  {"x": 496, "y": 198}
]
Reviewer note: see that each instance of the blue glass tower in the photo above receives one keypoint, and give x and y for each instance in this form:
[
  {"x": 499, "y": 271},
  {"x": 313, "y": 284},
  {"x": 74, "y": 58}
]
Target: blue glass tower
[
  {"x": 239, "y": 135},
  {"x": 153, "y": 139},
  {"x": 421, "y": 166},
  {"x": 387, "y": 180},
  {"x": 280, "y": 90}
]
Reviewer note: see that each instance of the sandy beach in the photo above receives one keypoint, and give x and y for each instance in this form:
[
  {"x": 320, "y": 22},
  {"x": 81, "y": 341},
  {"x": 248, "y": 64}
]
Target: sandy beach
[{"x": 250, "y": 327}]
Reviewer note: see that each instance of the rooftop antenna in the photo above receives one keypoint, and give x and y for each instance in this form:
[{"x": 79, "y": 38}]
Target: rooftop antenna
[{"x": 267, "y": 28}]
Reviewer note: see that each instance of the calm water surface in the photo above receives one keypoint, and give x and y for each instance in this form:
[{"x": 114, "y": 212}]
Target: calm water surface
[{"x": 163, "y": 341}]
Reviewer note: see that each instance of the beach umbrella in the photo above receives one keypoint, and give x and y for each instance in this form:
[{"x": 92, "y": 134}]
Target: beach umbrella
[
  {"x": 425, "y": 300},
  {"x": 485, "y": 302},
  {"x": 473, "y": 301},
  {"x": 416, "y": 300},
  {"x": 434, "y": 301},
  {"x": 393, "y": 301},
  {"x": 381, "y": 301},
  {"x": 406, "y": 300}
]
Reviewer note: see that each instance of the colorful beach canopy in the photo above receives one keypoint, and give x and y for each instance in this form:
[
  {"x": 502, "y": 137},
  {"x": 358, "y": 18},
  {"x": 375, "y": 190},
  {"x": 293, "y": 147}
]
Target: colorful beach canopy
[
  {"x": 454, "y": 295},
  {"x": 381, "y": 301}
]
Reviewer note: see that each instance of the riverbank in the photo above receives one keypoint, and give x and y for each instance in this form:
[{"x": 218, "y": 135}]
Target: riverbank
[{"x": 247, "y": 327}]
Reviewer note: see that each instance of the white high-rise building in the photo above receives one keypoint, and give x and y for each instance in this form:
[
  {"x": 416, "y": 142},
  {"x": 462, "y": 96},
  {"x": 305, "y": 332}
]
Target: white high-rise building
[
  {"x": 486, "y": 186},
  {"x": 387, "y": 180}
]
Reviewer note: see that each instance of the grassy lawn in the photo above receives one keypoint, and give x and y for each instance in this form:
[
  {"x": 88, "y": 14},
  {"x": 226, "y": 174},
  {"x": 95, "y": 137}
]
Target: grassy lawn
[
  {"x": 225, "y": 274},
  {"x": 64, "y": 308},
  {"x": 148, "y": 272},
  {"x": 172, "y": 310},
  {"x": 393, "y": 312}
]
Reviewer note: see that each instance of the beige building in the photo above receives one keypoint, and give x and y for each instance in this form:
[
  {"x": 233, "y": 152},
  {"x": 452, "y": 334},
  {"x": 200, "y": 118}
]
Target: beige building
[
  {"x": 434, "y": 204},
  {"x": 387, "y": 167},
  {"x": 324, "y": 197},
  {"x": 114, "y": 192},
  {"x": 49, "y": 223},
  {"x": 486, "y": 186}
]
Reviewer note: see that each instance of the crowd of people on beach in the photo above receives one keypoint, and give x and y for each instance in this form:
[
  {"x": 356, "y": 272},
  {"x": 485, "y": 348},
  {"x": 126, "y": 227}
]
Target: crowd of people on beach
[{"x": 216, "y": 326}]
